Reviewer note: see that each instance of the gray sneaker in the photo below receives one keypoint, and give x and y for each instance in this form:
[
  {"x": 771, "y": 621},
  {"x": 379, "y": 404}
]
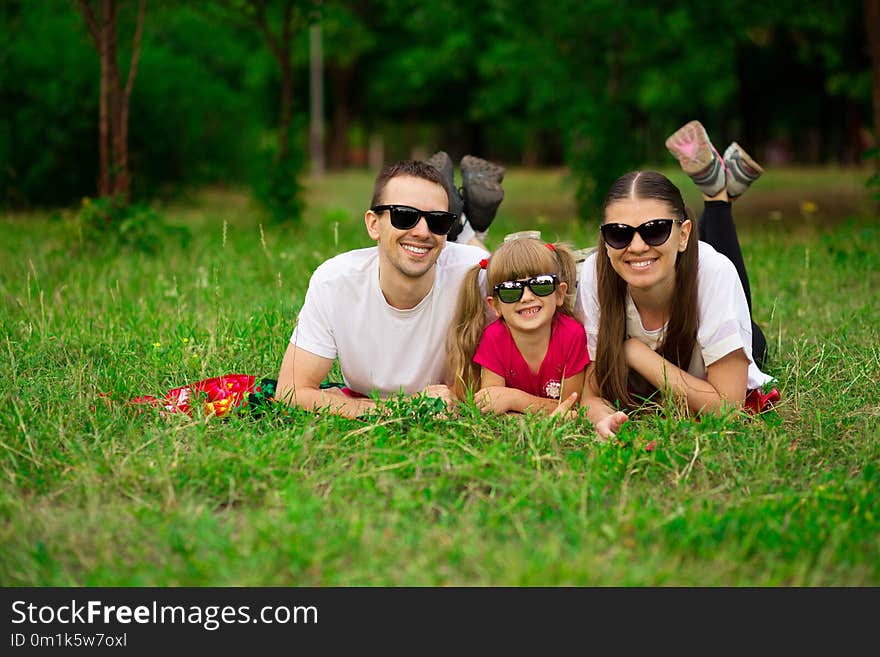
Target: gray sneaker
[
  {"x": 582, "y": 254},
  {"x": 742, "y": 170},
  {"x": 524, "y": 234}
]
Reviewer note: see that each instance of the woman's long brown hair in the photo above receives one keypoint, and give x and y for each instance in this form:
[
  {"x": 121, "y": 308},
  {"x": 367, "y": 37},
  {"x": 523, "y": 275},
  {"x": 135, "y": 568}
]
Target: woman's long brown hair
[{"x": 616, "y": 383}]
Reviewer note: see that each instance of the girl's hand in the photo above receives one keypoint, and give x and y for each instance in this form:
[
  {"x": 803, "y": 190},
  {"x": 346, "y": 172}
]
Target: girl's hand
[
  {"x": 495, "y": 399},
  {"x": 564, "y": 408},
  {"x": 609, "y": 425},
  {"x": 501, "y": 399}
]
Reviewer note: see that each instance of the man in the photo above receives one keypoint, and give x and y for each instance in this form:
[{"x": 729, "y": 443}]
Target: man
[{"x": 384, "y": 311}]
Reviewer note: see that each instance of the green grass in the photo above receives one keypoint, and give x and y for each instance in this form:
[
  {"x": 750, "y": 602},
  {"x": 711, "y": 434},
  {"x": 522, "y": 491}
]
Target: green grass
[{"x": 94, "y": 492}]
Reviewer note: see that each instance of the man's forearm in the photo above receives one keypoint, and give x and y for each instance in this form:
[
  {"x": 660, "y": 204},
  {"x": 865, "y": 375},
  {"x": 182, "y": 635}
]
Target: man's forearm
[{"x": 329, "y": 400}]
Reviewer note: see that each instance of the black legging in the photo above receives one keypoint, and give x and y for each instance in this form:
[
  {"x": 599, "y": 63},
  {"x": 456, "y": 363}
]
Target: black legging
[{"x": 717, "y": 229}]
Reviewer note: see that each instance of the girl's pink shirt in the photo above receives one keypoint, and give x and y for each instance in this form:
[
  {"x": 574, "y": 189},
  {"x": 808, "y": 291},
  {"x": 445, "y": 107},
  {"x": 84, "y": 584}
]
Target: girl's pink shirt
[{"x": 567, "y": 355}]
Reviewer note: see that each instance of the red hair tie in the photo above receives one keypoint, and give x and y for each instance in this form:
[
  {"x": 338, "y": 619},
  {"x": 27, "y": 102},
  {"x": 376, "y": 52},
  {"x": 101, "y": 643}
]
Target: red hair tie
[
  {"x": 484, "y": 263},
  {"x": 550, "y": 246}
]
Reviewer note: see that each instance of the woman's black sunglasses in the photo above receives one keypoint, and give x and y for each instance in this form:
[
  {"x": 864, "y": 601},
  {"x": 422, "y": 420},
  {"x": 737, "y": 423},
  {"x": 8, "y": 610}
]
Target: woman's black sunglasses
[
  {"x": 404, "y": 217},
  {"x": 512, "y": 291},
  {"x": 654, "y": 232}
]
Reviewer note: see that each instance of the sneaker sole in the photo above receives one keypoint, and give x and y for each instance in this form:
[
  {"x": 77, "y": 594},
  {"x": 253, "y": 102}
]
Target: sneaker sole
[
  {"x": 481, "y": 190},
  {"x": 736, "y": 149},
  {"x": 443, "y": 163},
  {"x": 475, "y": 168},
  {"x": 693, "y": 159},
  {"x": 738, "y": 179}
]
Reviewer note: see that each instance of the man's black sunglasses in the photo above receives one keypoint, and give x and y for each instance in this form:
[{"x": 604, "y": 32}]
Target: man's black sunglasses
[
  {"x": 404, "y": 217},
  {"x": 654, "y": 232},
  {"x": 512, "y": 291}
]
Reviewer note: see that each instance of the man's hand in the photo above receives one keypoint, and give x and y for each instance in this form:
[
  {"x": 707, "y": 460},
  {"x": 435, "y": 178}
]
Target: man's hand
[{"x": 440, "y": 391}]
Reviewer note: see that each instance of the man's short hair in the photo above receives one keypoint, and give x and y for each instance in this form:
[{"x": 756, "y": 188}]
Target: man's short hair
[{"x": 414, "y": 168}]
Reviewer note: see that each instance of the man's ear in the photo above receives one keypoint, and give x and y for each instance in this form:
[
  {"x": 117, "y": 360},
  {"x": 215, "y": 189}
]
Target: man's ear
[{"x": 371, "y": 220}]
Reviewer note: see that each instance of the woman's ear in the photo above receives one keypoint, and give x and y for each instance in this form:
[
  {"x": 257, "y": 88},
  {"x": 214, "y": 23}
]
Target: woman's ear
[{"x": 684, "y": 234}]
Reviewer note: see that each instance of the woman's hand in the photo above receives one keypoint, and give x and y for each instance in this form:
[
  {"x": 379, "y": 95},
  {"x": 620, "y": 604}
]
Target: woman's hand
[
  {"x": 724, "y": 385},
  {"x": 608, "y": 426}
]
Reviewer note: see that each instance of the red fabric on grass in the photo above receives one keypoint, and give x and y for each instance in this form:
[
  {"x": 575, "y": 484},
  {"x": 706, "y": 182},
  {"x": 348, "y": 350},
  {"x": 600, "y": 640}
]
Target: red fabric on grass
[
  {"x": 220, "y": 395},
  {"x": 758, "y": 402}
]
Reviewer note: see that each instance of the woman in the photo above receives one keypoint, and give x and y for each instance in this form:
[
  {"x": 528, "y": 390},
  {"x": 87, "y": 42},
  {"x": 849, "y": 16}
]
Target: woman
[{"x": 663, "y": 310}]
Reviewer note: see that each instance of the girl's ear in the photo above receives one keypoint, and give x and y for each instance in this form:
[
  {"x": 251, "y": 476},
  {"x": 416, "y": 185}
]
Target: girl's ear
[
  {"x": 561, "y": 289},
  {"x": 493, "y": 305}
]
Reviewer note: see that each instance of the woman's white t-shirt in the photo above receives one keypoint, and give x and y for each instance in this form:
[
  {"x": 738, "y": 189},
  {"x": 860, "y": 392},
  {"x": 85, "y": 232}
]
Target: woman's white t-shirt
[
  {"x": 724, "y": 321},
  {"x": 381, "y": 348}
]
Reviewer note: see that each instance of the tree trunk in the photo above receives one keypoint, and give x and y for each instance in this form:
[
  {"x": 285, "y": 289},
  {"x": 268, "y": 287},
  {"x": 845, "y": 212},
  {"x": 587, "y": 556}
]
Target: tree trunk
[
  {"x": 316, "y": 93},
  {"x": 286, "y": 109},
  {"x": 104, "y": 130},
  {"x": 872, "y": 22},
  {"x": 531, "y": 149},
  {"x": 123, "y": 181},
  {"x": 114, "y": 90},
  {"x": 114, "y": 178},
  {"x": 341, "y": 77},
  {"x": 97, "y": 32}
]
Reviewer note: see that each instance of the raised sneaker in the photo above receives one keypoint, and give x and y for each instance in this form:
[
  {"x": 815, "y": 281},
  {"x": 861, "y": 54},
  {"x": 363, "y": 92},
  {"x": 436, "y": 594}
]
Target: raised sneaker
[
  {"x": 443, "y": 163},
  {"x": 742, "y": 170},
  {"x": 481, "y": 190},
  {"x": 698, "y": 158}
]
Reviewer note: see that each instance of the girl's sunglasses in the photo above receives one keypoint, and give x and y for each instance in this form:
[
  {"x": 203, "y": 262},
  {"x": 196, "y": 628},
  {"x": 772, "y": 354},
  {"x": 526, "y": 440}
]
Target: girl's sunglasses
[
  {"x": 512, "y": 291},
  {"x": 654, "y": 232},
  {"x": 404, "y": 217}
]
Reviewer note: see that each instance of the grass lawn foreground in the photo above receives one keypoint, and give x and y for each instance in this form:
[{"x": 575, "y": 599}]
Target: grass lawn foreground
[{"x": 96, "y": 493}]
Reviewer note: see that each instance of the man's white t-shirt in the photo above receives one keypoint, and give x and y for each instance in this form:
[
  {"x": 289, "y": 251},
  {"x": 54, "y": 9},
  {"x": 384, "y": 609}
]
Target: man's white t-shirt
[
  {"x": 381, "y": 348},
  {"x": 724, "y": 321}
]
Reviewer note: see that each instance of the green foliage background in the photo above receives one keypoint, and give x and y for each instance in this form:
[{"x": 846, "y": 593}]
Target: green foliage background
[{"x": 595, "y": 85}]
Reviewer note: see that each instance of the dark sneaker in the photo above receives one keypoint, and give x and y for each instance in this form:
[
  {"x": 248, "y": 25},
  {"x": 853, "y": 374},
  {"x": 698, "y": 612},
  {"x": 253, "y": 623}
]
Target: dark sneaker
[
  {"x": 442, "y": 162},
  {"x": 481, "y": 190}
]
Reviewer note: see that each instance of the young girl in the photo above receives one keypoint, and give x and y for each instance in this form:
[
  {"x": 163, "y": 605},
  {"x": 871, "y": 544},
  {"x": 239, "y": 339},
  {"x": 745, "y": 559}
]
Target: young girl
[
  {"x": 534, "y": 354},
  {"x": 669, "y": 312}
]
